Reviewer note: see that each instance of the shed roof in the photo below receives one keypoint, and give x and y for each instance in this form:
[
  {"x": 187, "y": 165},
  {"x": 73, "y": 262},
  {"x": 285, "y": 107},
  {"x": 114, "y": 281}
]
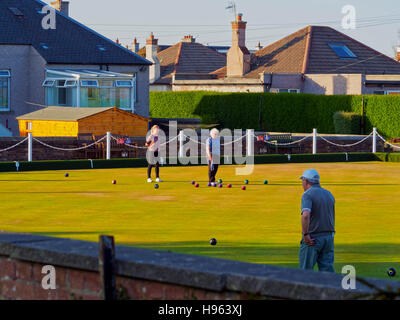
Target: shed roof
[{"x": 62, "y": 113}]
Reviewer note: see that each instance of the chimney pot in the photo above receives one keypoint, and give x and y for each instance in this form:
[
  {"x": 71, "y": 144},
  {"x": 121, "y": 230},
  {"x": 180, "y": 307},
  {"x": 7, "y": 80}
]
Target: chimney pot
[
  {"x": 135, "y": 46},
  {"x": 188, "y": 38},
  {"x": 62, "y": 6}
]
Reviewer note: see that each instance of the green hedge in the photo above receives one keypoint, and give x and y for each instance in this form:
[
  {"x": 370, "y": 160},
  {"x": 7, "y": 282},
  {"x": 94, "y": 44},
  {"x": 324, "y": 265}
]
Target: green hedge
[
  {"x": 388, "y": 157},
  {"x": 347, "y": 122},
  {"x": 279, "y": 112}
]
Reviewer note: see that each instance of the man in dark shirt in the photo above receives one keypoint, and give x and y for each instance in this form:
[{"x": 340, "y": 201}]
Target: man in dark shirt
[{"x": 318, "y": 224}]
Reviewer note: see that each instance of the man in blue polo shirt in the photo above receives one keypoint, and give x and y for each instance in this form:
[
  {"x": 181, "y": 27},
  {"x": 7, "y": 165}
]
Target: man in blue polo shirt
[{"x": 318, "y": 224}]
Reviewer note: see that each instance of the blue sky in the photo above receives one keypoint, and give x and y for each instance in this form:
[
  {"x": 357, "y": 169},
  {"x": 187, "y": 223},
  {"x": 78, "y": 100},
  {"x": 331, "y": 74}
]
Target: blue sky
[{"x": 378, "y": 22}]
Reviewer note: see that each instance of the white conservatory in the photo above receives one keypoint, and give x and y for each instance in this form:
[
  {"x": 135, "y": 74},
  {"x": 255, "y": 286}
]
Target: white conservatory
[{"x": 90, "y": 88}]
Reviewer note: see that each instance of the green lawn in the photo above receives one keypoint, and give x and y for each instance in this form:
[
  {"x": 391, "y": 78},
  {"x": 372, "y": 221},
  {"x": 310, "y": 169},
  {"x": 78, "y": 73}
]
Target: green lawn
[{"x": 261, "y": 224}]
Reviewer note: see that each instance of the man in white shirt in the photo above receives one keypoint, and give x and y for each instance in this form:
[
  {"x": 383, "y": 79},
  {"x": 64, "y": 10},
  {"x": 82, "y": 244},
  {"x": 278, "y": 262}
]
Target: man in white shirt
[{"x": 213, "y": 153}]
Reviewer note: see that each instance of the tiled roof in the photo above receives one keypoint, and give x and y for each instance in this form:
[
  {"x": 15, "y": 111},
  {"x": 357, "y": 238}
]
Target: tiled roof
[
  {"x": 189, "y": 58},
  {"x": 70, "y": 43},
  {"x": 308, "y": 51}
]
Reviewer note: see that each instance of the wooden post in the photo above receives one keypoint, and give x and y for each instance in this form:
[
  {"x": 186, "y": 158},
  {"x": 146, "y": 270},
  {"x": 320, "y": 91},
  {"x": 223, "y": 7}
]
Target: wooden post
[{"x": 107, "y": 267}]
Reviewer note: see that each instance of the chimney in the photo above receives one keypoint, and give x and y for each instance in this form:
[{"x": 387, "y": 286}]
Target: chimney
[
  {"x": 398, "y": 54},
  {"x": 135, "y": 46},
  {"x": 151, "y": 55},
  {"x": 189, "y": 39},
  {"x": 238, "y": 57},
  {"x": 117, "y": 41},
  {"x": 62, "y": 6}
]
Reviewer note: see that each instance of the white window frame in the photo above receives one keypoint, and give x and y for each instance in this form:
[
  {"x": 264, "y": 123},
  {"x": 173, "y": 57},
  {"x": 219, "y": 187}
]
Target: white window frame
[
  {"x": 7, "y": 74},
  {"x": 89, "y": 86},
  {"x": 48, "y": 83},
  {"x": 288, "y": 90},
  {"x": 117, "y": 84}
]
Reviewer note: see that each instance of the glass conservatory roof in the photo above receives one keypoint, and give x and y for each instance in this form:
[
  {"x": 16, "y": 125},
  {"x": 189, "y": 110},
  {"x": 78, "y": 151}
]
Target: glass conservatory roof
[{"x": 86, "y": 73}]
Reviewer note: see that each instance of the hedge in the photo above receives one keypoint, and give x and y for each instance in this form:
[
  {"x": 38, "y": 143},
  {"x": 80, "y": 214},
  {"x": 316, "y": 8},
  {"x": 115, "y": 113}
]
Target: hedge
[
  {"x": 279, "y": 112},
  {"x": 347, "y": 122},
  {"x": 141, "y": 163}
]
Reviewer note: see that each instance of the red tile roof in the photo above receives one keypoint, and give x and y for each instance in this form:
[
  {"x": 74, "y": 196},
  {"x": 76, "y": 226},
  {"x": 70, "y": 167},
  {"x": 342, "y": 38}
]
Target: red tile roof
[
  {"x": 188, "y": 58},
  {"x": 308, "y": 51}
]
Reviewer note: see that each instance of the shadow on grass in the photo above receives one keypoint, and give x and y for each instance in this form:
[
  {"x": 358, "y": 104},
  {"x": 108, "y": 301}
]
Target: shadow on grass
[{"x": 370, "y": 259}]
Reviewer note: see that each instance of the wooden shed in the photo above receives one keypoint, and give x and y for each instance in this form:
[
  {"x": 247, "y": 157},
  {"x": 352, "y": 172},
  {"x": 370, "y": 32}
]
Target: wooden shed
[{"x": 71, "y": 121}]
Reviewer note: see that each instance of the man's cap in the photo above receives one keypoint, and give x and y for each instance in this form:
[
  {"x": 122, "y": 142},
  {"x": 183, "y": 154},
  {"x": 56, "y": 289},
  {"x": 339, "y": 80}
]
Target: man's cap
[{"x": 311, "y": 175}]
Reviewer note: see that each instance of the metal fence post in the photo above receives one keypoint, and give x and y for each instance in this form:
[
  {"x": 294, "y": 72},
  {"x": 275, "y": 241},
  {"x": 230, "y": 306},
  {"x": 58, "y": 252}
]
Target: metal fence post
[
  {"x": 374, "y": 140},
  {"x": 181, "y": 140},
  {"x": 30, "y": 147},
  {"x": 250, "y": 142},
  {"x": 314, "y": 142},
  {"x": 108, "y": 155}
]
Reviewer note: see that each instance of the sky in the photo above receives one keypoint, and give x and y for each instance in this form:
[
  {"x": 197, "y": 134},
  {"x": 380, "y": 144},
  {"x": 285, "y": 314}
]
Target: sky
[{"x": 377, "y": 22}]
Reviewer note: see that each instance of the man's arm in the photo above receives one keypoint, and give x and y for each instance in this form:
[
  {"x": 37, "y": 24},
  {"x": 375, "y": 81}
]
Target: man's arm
[
  {"x": 208, "y": 150},
  {"x": 305, "y": 225}
]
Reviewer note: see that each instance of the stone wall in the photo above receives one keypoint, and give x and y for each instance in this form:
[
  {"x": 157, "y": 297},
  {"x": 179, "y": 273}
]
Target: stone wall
[{"x": 150, "y": 274}]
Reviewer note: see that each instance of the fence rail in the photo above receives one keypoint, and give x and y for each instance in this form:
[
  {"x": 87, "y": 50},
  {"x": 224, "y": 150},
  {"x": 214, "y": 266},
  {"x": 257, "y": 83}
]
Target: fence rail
[{"x": 182, "y": 138}]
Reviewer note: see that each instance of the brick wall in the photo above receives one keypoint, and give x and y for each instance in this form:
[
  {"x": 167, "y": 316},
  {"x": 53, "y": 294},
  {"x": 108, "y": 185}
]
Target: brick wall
[
  {"x": 21, "y": 280},
  {"x": 150, "y": 274}
]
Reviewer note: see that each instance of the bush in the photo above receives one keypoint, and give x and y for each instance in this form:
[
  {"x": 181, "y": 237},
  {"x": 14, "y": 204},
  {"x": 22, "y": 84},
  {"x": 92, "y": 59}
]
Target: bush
[
  {"x": 279, "y": 112},
  {"x": 347, "y": 122}
]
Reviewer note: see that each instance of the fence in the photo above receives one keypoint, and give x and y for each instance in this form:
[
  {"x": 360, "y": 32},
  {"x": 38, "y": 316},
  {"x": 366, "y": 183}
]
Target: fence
[{"x": 182, "y": 138}]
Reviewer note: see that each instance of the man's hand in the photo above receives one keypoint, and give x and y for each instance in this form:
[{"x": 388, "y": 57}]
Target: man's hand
[{"x": 308, "y": 240}]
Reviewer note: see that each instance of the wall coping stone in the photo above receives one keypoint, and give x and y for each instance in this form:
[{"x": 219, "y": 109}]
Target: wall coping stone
[{"x": 188, "y": 270}]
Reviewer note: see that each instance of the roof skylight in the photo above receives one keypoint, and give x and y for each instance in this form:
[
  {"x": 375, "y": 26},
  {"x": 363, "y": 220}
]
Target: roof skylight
[{"x": 342, "y": 50}]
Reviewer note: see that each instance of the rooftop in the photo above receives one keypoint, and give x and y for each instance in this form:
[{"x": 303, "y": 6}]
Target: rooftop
[
  {"x": 71, "y": 42},
  {"x": 62, "y": 113}
]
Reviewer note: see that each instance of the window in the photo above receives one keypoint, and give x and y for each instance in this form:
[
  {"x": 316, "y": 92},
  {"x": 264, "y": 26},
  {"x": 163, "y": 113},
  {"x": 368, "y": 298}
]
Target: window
[
  {"x": 288, "y": 90},
  {"x": 16, "y": 12},
  {"x": 123, "y": 83},
  {"x": 29, "y": 126},
  {"x": 70, "y": 83},
  {"x": 62, "y": 96},
  {"x": 44, "y": 46},
  {"x": 48, "y": 83},
  {"x": 89, "y": 83},
  {"x": 380, "y": 92},
  {"x": 342, "y": 51},
  {"x": 4, "y": 90}
]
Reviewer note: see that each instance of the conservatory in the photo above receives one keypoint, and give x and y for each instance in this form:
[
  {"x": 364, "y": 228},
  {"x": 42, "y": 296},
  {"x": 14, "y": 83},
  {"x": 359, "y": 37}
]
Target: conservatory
[{"x": 90, "y": 88}]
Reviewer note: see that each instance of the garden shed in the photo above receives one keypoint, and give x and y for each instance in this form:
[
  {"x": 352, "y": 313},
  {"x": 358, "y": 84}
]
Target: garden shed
[{"x": 71, "y": 121}]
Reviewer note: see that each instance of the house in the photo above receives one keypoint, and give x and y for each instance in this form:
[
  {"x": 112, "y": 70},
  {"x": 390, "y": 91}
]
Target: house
[
  {"x": 186, "y": 59},
  {"x": 315, "y": 59},
  {"x": 71, "y": 65},
  {"x": 71, "y": 121}
]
